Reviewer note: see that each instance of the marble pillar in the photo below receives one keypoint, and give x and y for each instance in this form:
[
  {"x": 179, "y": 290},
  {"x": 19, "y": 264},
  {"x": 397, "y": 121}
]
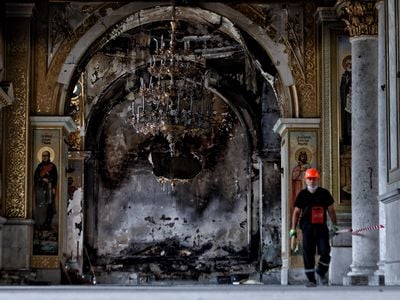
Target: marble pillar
[
  {"x": 361, "y": 21},
  {"x": 49, "y": 134},
  {"x": 17, "y": 235},
  {"x": 296, "y": 135},
  {"x": 365, "y": 208}
]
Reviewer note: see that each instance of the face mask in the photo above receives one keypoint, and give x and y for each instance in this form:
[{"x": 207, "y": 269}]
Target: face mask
[{"x": 312, "y": 189}]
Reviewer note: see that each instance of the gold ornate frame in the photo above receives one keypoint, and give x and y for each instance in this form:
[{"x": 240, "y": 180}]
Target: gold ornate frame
[
  {"x": 340, "y": 50},
  {"x": 48, "y": 138}
]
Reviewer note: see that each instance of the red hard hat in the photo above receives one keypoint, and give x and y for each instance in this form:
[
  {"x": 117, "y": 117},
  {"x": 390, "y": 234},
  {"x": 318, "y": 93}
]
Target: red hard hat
[{"x": 311, "y": 173}]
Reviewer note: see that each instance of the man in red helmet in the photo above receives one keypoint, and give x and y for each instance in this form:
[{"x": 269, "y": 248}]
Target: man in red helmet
[{"x": 311, "y": 207}]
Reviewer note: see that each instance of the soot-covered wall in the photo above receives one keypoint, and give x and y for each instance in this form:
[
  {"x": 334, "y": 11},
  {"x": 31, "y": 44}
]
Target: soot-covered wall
[{"x": 170, "y": 231}]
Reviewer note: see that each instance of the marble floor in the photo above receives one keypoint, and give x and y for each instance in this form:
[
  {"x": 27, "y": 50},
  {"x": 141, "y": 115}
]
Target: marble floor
[{"x": 199, "y": 292}]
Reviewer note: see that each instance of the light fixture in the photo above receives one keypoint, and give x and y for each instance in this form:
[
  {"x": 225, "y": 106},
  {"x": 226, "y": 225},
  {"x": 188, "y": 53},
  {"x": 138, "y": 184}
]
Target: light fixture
[{"x": 172, "y": 99}]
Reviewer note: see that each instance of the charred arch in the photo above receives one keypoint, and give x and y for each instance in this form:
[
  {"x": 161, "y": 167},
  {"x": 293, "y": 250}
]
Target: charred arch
[{"x": 243, "y": 102}]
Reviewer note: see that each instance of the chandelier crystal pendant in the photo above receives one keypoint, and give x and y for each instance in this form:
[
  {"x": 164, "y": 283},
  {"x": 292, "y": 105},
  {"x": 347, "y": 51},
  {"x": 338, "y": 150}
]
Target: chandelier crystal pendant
[{"x": 172, "y": 99}]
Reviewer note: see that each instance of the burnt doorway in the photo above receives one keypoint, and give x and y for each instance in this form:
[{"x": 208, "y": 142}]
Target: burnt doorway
[{"x": 168, "y": 218}]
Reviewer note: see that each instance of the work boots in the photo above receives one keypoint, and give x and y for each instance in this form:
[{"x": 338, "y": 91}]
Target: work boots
[
  {"x": 311, "y": 283},
  {"x": 322, "y": 280}
]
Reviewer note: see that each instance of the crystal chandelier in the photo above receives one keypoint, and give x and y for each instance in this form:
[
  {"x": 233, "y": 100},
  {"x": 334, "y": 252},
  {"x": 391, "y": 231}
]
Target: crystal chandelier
[{"x": 172, "y": 99}]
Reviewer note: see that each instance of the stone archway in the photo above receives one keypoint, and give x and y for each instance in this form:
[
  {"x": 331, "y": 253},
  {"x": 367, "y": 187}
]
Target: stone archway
[
  {"x": 76, "y": 51},
  {"x": 79, "y": 51}
]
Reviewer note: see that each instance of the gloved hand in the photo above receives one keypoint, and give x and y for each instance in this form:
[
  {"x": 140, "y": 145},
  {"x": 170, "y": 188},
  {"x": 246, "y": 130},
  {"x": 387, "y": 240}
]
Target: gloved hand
[
  {"x": 335, "y": 229},
  {"x": 293, "y": 239}
]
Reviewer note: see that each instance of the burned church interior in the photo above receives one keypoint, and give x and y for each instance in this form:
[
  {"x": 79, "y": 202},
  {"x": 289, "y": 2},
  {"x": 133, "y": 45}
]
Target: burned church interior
[{"x": 151, "y": 142}]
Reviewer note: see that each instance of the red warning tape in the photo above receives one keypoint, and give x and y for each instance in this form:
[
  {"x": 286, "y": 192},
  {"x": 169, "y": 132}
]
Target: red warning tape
[{"x": 368, "y": 228}]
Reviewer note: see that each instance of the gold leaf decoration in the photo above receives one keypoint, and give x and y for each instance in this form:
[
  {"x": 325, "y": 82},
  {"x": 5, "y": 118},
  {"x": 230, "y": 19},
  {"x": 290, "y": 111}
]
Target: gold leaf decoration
[{"x": 361, "y": 17}]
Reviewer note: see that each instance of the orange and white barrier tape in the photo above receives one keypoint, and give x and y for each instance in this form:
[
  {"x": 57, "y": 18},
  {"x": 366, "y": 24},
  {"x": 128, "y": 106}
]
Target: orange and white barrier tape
[{"x": 368, "y": 228}]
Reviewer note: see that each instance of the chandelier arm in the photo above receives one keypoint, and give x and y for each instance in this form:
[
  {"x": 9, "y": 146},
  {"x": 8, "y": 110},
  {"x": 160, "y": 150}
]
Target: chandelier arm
[{"x": 171, "y": 99}]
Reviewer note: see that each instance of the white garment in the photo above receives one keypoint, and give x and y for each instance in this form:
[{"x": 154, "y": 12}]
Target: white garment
[{"x": 312, "y": 189}]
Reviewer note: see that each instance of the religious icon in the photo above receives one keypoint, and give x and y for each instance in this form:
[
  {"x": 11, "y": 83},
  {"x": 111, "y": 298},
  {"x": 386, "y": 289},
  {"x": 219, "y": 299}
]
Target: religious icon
[{"x": 45, "y": 208}]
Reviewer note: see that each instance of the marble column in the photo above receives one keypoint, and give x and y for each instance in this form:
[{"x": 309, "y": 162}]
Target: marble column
[
  {"x": 362, "y": 25},
  {"x": 365, "y": 208}
]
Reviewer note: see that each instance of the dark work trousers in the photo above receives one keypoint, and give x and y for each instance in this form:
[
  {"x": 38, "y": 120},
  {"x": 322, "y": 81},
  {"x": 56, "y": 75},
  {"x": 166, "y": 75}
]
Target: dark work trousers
[{"x": 315, "y": 237}]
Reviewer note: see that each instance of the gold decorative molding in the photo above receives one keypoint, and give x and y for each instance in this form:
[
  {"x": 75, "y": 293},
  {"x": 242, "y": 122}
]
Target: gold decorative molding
[
  {"x": 303, "y": 67},
  {"x": 16, "y": 115},
  {"x": 361, "y": 17},
  {"x": 47, "y": 81},
  {"x": 45, "y": 262}
]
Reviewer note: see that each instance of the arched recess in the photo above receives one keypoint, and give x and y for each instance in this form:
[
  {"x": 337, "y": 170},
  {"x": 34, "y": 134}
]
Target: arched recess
[
  {"x": 243, "y": 106},
  {"x": 246, "y": 230},
  {"x": 134, "y": 15}
]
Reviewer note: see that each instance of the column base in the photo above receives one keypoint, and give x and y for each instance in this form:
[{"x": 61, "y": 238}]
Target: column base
[
  {"x": 392, "y": 271},
  {"x": 367, "y": 280},
  {"x": 284, "y": 276},
  {"x": 16, "y": 252},
  {"x": 17, "y": 277},
  {"x": 376, "y": 280},
  {"x": 339, "y": 267},
  {"x": 381, "y": 268}
]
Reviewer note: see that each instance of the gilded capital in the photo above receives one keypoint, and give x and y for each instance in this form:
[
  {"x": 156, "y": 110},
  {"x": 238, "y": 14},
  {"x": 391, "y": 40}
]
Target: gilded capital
[{"x": 360, "y": 16}]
